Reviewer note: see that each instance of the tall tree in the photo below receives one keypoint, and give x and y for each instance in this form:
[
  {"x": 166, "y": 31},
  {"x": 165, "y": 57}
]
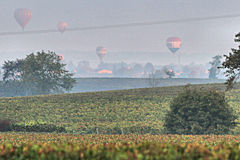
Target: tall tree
[
  {"x": 232, "y": 64},
  {"x": 215, "y": 64},
  {"x": 13, "y": 70},
  {"x": 40, "y": 73},
  {"x": 149, "y": 68}
]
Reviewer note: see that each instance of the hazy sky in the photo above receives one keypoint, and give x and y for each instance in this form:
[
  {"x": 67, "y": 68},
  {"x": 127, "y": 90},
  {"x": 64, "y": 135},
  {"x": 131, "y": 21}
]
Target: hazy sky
[{"x": 201, "y": 40}]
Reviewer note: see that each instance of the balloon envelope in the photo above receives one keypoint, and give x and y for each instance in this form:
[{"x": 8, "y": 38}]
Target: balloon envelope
[
  {"x": 22, "y": 16},
  {"x": 62, "y": 26},
  {"x": 101, "y": 52},
  {"x": 174, "y": 44},
  {"x": 61, "y": 57}
]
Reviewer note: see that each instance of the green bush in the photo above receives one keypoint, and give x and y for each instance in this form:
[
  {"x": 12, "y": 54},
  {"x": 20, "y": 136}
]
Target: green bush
[
  {"x": 7, "y": 125},
  {"x": 199, "y": 111},
  {"x": 37, "y": 128},
  {"x": 118, "y": 130}
]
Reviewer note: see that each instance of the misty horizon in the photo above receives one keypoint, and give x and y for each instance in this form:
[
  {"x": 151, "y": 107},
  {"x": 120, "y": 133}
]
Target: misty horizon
[
  {"x": 201, "y": 40},
  {"x": 75, "y": 56}
]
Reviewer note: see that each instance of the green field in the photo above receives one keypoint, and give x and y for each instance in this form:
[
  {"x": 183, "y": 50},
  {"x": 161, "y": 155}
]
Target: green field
[
  {"x": 136, "y": 111},
  {"x": 93, "y": 119},
  {"x": 35, "y": 138}
]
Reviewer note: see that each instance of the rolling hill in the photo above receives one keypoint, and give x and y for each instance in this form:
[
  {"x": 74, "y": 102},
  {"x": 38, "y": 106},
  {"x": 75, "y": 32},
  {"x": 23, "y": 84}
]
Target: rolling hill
[{"x": 109, "y": 112}]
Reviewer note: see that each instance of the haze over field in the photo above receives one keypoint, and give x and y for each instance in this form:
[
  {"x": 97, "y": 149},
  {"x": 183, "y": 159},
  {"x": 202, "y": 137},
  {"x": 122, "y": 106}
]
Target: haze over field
[{"x": 200, "y": 39}]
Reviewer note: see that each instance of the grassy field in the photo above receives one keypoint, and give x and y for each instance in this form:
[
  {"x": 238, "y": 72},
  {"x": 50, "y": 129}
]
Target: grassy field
[
  {"x": 116, "y": 113},
  {"x": 136, "y": 111},
  {"x": 35, "y": 138}
]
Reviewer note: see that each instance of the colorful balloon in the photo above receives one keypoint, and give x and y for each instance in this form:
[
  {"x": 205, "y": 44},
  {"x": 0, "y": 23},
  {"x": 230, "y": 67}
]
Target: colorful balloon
[
  {"x": 22, "y": 16},
  {"x": 174, "y": 44},
  {"x": 101, "y": 52},
  {"x": 62, "y": 26},
  {"x": 61, "y": 57}
]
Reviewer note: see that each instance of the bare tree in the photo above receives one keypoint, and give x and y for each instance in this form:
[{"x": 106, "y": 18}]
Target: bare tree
[{"x": 153, "y": 79}]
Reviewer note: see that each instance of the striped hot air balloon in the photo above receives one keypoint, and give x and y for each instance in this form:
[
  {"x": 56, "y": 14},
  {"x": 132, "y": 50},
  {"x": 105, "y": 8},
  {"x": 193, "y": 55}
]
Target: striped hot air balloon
[
  {"x": 22, "y": 16},
  {"x": 62, "y": 26},
  {"x": 101, "y": 52},
  {"x": 174, "y": 44}
]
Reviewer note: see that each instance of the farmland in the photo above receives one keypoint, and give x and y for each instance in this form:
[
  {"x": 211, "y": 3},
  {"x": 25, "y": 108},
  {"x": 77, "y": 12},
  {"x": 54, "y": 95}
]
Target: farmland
[
  {"x": 48, "y": 138},
  {"x": 125, "y": 124},
  {"x": 136, "y": 111}
]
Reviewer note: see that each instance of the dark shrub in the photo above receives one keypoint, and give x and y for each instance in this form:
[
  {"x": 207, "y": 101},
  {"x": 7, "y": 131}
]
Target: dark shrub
[
  {"x": 119, "y": 130},
  {"x": 199, "y": 111},
  {"x": 5, "y": 125},
  {"x": 37, "y": 128}
]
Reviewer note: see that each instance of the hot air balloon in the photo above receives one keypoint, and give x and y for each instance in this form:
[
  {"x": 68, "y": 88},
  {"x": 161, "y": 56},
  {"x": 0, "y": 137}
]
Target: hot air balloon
[
  {"x": 174, "y": 44},
  {"x": 101, "y": 52},
  {"x": 22, "y": 16},
  {"x": 62, "y": 26},
  {"x": 61, "y": 57}
]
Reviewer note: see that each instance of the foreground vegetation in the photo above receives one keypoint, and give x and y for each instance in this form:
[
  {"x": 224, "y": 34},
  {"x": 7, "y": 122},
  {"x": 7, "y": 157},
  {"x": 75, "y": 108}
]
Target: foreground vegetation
[
  {"x": 120, "y": 151},
  {"x": 138, "y": 111},
  {"x": 70, "y": 146}
]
